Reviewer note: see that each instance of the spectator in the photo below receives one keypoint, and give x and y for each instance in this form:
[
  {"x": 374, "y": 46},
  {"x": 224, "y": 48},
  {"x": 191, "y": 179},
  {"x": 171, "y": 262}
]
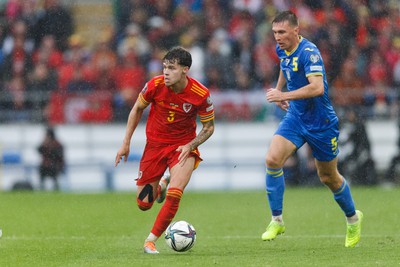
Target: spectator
[
  {"x": 13, "y": 9},
  {"x": 392, "y": 172},
  {"x": 358, "y": 165},
  {"x": 52, "y": 152},
  {"x": 16, "y": 90},
  {"x": 266, "y": 70},
  {"x": 363, "y": 32},
  {"x": 217, "y": 59},
  {"x": 75, "y": 62},
  {"x": 103, "y": 63},
  {"x": 30, "y": 15},
  {"x": 135, "y": 39},
  {"x": 41, "y": 82},
  {"x": 48, "y": 53},
  {"x": 242, "y": 53},
  {"x": 18, "y": 60},
  {"x": 162, "y": 32},
  {"x": 243, "y": 81},
  {"x": 392, "y": 57},
  {"x": 129, "y": 77},
  {"x": 55, "y": 20},
  {"x": 18, "y": 33},
  {"x": 379, "y": 95},
  {"x": 348, "y": 87},
  {"x": 154, "y": 65},
  {"x": 191, "y": 40}
]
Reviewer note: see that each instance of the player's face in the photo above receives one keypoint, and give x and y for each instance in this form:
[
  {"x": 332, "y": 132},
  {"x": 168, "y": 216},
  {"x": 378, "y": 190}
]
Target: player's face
[
  {"x": 286, "y": 35},
  {"x": 173, "y": 73}
]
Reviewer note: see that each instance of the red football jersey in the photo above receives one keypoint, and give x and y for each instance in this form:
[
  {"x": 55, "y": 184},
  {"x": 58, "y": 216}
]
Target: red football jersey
[{"x": 172, "y": 117}]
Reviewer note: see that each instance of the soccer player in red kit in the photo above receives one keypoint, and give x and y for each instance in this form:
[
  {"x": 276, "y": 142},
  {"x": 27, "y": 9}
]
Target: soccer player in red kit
[{"x": 172, "y": 143}]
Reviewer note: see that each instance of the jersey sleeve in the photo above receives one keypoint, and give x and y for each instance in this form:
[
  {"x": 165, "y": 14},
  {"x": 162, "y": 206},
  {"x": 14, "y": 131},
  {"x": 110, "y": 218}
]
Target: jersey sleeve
[
  {"x": 146, "y": 96},
  {"x": 312, "y": 60},
  {"x": 206, "y": 109}
]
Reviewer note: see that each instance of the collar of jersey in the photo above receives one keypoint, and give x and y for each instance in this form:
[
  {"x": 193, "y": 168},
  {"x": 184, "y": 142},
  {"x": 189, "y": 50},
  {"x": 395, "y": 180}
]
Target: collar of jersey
[{"x": 289, "y": 53}]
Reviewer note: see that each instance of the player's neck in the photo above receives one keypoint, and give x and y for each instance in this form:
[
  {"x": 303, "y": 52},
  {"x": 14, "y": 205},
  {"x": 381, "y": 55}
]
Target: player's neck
[
  {"x": 295, "y": 44},
  {"x": 180, "y": 86}
]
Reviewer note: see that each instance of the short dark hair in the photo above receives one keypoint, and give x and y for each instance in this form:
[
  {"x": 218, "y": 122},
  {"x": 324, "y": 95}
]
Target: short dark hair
[
  {"x": 179, "y": 55},
  {"x": 287, "y": 16}
]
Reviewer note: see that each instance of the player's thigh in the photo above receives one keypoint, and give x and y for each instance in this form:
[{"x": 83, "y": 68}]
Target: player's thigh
[
  {"x": 152, "y": 164},
  {"x": 279, "y": 151},
  {"x": 180, "y": 174}
]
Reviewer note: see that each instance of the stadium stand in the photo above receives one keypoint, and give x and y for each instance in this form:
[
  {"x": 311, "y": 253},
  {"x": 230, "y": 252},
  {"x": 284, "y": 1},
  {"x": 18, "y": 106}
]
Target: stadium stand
[
  {"x": 89, "y": 68},
  {"x": 231, "y": 42}
]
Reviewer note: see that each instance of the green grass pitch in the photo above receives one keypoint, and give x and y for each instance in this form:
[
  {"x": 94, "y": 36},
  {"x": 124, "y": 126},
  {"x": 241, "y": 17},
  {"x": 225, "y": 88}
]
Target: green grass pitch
[{"x": 66, "y": 229}]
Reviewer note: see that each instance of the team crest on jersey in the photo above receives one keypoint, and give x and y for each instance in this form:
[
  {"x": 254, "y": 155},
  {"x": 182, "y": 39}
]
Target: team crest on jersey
[
  {"x": 187, "y": 107},
  {"x": 314, "y": 58}
]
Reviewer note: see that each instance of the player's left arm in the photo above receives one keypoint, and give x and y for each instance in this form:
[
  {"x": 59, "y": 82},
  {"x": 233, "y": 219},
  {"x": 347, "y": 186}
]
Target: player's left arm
[
  {"x": 313, "y": 89},
  {"x": 311, "y": 61},
  {"x": 204, "y": 134}
]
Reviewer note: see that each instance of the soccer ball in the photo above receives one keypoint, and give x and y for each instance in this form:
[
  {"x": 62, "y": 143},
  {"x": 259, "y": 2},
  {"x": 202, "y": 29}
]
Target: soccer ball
[{"x": 180, "y": 236}]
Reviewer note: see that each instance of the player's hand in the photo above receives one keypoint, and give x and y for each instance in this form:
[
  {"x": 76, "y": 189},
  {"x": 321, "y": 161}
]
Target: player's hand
[
  {"x": 283, "y": 105},
  {"x": 123, "y": 152},
  {"x": 185, "y": 152},
  {"x": 275, "y": 95}
]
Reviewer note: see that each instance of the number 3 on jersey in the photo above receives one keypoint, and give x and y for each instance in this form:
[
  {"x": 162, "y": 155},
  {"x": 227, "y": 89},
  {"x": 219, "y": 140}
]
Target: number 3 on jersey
[{"x": 171, "y": 116}]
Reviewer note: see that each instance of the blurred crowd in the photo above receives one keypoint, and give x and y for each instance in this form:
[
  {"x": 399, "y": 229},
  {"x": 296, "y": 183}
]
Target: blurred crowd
[{"x": 231, "y": 43}]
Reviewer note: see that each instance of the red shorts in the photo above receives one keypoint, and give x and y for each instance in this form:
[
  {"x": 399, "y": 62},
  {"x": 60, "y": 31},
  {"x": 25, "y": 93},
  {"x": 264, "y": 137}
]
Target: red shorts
[{"x": 157, "y": 158}]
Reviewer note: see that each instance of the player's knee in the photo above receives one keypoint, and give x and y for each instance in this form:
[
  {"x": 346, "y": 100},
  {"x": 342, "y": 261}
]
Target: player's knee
[
  {"x": 330, "y": 180},
  {"x": 144, "y": 205},
  {"x": 145, "y": 198},
  {"x": 273, "y": 162}
]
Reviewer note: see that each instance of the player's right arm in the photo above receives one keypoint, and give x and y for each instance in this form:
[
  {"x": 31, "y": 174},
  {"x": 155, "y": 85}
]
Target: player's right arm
[
  {"x": 133, "y": 120},
  {"x": 278, "y": 91}
]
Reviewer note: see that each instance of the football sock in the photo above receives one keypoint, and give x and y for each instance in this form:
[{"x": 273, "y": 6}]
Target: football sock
[
  {"x": 275, "y": 182},
  {"x": 151, "y": 238},
  {"x": 168, "y": 211},
  {"x": 344, "y": 199},
  {"x": 352, "y": 219},
  {"x": 277, "y": 218}
]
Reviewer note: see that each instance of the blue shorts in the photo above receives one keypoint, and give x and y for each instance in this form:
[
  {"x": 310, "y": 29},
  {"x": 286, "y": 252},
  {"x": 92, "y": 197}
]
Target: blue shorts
[{"x": 324, "y": 144}]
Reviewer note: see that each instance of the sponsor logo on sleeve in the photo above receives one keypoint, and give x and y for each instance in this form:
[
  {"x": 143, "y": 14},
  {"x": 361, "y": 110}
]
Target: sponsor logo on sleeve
[{"x": 316, "y": 68}]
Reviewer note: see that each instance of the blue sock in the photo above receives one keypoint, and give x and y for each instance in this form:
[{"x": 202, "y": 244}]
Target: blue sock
[
  {"x": 275, "y": 182},
  {"x": 344, "y": 199}
]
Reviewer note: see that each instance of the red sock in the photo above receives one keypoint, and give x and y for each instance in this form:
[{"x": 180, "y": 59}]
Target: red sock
[{"x": 168, "y": 211}]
